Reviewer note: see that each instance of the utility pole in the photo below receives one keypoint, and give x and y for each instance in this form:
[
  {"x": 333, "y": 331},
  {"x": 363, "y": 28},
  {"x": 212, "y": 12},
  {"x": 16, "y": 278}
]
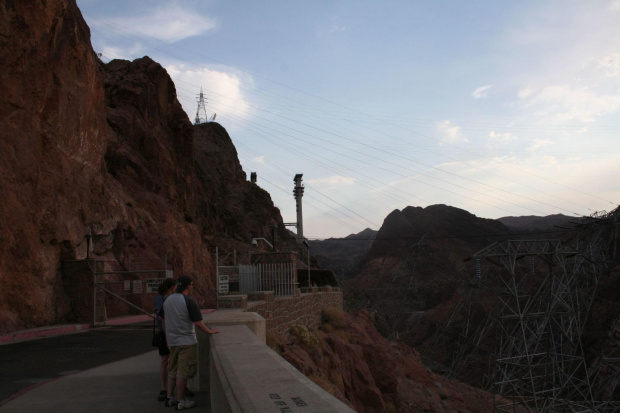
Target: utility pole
[
  {"x": 298, "y": 192},
  {"x": 307, "y": 245}
]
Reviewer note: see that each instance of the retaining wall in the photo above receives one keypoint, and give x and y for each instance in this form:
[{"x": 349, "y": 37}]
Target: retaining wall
[
  {"x": 281, "y": 314},
  {"x": 247, "y": 376}
]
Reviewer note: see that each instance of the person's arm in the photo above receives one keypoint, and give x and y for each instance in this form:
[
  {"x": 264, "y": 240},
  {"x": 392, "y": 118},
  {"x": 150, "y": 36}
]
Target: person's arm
[
  {"x": 196, "y": 316},
  {"x": 202, "y": 327},
  {"x": 161, "y": 315}
]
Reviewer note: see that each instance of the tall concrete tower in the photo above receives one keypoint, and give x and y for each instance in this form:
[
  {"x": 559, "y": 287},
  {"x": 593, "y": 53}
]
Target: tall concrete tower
[{"x": 299, "y": 192}]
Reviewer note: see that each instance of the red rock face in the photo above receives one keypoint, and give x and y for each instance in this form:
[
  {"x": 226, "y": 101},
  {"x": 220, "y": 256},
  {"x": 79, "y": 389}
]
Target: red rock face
[
  {"x": 52, "y": 143},
  {"x": 427, "y": 296},
  {"x": 104, "y": 149},
  {"x": 363, "y": 369}
]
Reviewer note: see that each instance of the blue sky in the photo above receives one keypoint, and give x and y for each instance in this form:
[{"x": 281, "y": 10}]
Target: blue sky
[{"x": 499, "y": 108}]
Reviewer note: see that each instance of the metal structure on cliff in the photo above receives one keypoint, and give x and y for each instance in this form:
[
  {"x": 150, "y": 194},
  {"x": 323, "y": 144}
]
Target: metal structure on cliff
[
  {"x": 298, "y": 192},
  {"x": 539, "y": 364},
  {"x": 201, "y": 111}
]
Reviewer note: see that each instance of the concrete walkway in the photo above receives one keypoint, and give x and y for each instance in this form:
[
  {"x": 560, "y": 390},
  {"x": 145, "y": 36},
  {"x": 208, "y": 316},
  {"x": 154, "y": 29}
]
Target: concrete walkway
[
  {"x": 130, "y": 385},
  {"x": 124, "y": 386}
]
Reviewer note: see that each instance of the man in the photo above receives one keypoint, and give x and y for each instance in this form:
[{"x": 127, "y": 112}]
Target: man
[{"x": 181, "y": 315}]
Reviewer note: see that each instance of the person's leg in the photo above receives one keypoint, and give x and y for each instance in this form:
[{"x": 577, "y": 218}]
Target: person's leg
[
  {"x": 163, "y": 372},
  {"x": 181, "y": 382},
  {"x": 171, "y": 383},
  {"x": 173, "y": 363},
  {"x": 164, "y": 352},
  {"x": 186, "y": 369}
]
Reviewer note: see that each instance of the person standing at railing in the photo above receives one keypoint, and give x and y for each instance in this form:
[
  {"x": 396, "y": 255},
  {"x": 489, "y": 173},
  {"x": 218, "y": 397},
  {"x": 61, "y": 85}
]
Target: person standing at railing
[
  {"x": 166, "y": 288},
  {"x": 181, "y": 317}
]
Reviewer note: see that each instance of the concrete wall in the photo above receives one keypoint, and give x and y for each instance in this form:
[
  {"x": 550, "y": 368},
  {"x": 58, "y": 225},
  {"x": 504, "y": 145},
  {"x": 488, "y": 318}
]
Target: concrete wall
[
  {"x": 247, "y": 376},
  {"x": 281, "y": 314},
  {"x": 243, "y": 374},
  {"x": 254, "y": 322}
]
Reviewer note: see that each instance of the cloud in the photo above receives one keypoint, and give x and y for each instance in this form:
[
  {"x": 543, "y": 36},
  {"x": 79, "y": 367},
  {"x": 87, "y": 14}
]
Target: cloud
[
  {"x": 563, "y": 102},
  {"x": 539, "y": 143},
  {"x": 481, "y": 92},
  {"x": 259, "y": 159},
  {"x": 336, "y": 28},
  {"x": 170, "y": 23},
  {"x": 128, "y": 53},
  {"x": 614, "y": 5},
  {"x": 526, "y": 92},
  {"x": 336, "y": 180},
  {"x": 610, "y": 64},
  {"x": 450, "y": 132},
  {"x": 223, "y": 90},
  {"x": 550, "y": 160},
  {"x": 502, "y": 136}
]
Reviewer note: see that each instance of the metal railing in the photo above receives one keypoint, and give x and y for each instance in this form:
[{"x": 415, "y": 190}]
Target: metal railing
[
  {"x": 123, "y": 289},
  {"x": 279, "y": 278}
]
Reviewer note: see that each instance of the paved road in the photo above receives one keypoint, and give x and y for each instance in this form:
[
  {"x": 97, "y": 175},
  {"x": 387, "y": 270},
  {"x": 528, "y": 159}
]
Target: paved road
[{"x": 28, "y": 363}]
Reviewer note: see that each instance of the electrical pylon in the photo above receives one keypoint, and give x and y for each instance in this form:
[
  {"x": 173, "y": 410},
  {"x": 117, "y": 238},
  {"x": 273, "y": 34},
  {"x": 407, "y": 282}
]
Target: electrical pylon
[
  {"x": 539, "y": 365},
  {"x": 201, "y": 112}
]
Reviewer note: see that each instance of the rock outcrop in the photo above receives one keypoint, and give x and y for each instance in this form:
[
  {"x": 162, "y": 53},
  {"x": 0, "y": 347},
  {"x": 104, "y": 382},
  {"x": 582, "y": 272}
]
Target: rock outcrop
[
  {"x": 421, "y": 289},
  {"x": 531, "y": 224},
  {"x": 342, "y": 255},
  {"x": 52, "y": 144},
  {"x": 427, "y": 243},
  {"x": 106, "y": 150},
  {"x": 351, "y": 360}
]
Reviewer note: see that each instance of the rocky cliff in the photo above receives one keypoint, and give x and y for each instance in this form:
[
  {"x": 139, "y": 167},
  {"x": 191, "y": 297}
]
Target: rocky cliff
[
  {"x": 52, "y": 145},
  {"x": 106, "y": 150},
  {"x": 531, "y": 224},
  {"x": 351, "y": 360},
  {"x": 428, "y": 244},
  {"x": 342, "y": 255},
  {"x": 421, "y": 289}
]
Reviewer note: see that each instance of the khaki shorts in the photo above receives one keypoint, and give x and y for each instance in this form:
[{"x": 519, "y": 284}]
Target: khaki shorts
[{"x": 182, "y": 362}]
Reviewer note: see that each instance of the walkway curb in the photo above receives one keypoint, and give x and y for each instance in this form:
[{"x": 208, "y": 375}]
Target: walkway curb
[
  {"x": 41, "y": 332},
  {"x": 50, "y": 331}
]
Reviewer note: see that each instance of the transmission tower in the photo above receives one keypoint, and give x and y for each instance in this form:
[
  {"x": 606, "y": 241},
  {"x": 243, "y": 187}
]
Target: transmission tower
[
  {"x": 539, "y": 363},
  {"x": 201, "y": 112}
]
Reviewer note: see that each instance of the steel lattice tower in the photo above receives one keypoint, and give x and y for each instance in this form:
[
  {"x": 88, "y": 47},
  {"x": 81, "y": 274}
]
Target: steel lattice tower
[
  {"x": 539, "y": 364},
  {"x": 201, "y": 112}
]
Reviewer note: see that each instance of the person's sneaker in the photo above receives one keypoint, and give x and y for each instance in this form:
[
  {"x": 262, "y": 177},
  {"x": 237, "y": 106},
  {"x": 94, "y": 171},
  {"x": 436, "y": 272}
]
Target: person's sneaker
[
  {"x": 189, "y": 393},
  {"x": 185, "y": 404},
  {"x": 162, "y": 396},
  {"x": 172, "y": 401}
]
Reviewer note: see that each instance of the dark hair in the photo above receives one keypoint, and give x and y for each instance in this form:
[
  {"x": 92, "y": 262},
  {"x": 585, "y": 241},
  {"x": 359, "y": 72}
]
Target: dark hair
[
  {"x": 165, "y": 285},
  {"x": 182, "y": 282}
]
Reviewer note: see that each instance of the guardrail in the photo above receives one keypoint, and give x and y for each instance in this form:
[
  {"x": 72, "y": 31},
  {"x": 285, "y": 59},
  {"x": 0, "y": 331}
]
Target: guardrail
[
  {"x": 279, "y": 277},
  {"x": 247, "y": 376}
]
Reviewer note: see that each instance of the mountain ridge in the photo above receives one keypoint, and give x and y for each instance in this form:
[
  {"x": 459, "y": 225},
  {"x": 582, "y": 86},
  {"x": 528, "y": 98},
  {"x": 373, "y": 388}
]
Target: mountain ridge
[{"x": 106, "y": 150}]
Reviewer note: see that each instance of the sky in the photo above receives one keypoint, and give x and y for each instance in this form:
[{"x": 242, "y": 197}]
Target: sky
[{"x": 500, "y": 108}]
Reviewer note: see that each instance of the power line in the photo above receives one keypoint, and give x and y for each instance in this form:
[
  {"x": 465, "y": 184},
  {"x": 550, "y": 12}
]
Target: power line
[{"x": 363, "y": 116}]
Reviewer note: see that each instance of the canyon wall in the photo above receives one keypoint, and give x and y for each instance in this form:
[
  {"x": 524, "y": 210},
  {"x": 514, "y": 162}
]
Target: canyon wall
[{"x": 105, "y": 150}]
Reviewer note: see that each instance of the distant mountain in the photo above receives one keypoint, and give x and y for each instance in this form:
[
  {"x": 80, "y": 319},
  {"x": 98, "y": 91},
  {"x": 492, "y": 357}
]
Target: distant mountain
[
  {"x": 415, "y": 274},
  {"x": 442, "y": 225},
  {"x": 342, "y": 255},
  {"x": 429, "y": 243},
  {"x": 420, "y": 287},
  {"x": 536, "y": 223}
]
